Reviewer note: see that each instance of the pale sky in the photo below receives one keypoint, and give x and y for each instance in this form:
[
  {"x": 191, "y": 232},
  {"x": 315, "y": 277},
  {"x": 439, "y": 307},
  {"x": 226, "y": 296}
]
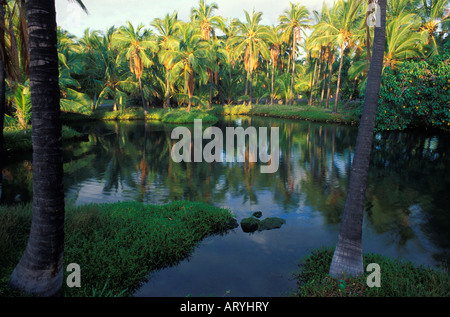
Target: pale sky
[{"x": 106, "y": 13}]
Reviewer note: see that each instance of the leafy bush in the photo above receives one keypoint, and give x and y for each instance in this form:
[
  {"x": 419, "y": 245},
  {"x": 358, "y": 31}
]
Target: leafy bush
[{"x": 416, "y": 94}]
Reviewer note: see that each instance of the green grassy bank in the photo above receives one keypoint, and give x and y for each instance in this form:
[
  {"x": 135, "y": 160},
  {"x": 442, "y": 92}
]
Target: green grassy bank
[
  {"x": 175, "y": 116},
  {"x": 297, "y": 112},
  {"x": 346, "y": 115},
  {"x": 398, "y": 279},
  {"x": 116, "y": 245}
]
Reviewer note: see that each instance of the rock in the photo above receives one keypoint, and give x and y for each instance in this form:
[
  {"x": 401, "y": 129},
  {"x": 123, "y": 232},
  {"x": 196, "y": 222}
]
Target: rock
[
  {"x": 271, "y": 223},
  {"x": 250, "y": 224},
  {"x": 257, "y": 214}
]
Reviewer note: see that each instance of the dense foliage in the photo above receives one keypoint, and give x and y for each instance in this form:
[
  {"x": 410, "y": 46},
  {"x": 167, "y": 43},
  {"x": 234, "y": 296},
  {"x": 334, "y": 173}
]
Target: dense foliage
[{"x": 416, "y": 94}]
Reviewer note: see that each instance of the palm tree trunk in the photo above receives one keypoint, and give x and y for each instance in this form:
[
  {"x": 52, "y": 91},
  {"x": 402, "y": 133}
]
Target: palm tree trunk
[
  {"x": 319, "y": 71},
  {"x": 167, "y": 96},
  {"x": 336, "y": 98},
  {"x": 144, "y": 103},
  {"x": 190, "y": 88},
  {"x": 251, "y": 89},
  {"x": 312, "y": 83},
  {"x": 271, "y": 84},
  {"x": 246, "y": 84},
  {"x": 294, "y": 44},
  {"x": 369, "y": 57},
  {"x": 40, "y": 268},
  {"x": 330, "y": 65},
  {"x": 210, "y": 88},
  {"x": 324, "y": 83},
  {"x": 347, "y": 257},
  {"x": 2, "y": 97}
]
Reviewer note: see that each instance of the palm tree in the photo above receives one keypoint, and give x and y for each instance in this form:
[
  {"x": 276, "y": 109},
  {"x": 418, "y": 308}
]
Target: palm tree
[
  {"x": 167, "y": 28},
  {"x": 342, "y": 27},
  {"x": 203, "y": 15},
  {"x": 88, "y": 48},
  {"x": 138, "y": 47},
  {"x": 347, "y": 257},
  {"x": 323, "y": 38},
  {"x": 251, "y": 37},
  {"x": 275, "y": 40},
  {"x": 433, "y": 13},
  {"x": 293, "y": 22},
  {"x": 40, "y": 268},
  {"x": 189, "y": 57},
  {"x": 216, "y": 54},
  {"x": 403, "y": 41},
  {"x": 115, "y": 79}
]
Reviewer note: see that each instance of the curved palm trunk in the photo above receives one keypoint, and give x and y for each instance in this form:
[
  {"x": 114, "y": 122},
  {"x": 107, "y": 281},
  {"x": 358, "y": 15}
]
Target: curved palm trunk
[
  {"x": 40, "y": 268},
  {"x": 347, "y": 257},
  {"x": 336, "y": 98}
]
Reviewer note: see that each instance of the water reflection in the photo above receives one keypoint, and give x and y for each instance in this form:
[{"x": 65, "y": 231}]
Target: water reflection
[{"x": 407, "y": 213}]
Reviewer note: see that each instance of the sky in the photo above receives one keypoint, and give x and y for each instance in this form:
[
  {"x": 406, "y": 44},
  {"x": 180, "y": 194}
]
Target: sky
[{"x": 106, "y": 13}]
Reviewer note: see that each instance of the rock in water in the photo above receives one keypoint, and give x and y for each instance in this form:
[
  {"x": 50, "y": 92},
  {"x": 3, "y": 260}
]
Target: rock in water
[
  {"x": 257, "y": 214},
  {"x": 271, "y": 223},
  {"x": 250, "y": 224}
]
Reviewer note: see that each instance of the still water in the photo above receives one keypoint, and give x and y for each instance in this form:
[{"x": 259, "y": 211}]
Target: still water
[{"x": 407, "y": 212}]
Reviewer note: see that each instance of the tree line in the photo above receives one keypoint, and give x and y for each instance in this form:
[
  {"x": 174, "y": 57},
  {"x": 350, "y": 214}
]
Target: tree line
[{"x": 322, "y": 56}]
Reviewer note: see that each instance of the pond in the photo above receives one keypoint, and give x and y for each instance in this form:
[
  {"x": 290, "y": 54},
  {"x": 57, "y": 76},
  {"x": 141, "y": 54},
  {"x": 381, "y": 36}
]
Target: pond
[{"x": 407, "y": 212}]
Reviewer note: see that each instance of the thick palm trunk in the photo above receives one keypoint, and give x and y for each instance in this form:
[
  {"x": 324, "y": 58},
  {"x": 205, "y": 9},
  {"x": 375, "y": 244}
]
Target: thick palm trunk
[
  {"x": 347, "y": 257},
  {"x": 40, "y": 268},
  {"x": 336, "y": 98}
]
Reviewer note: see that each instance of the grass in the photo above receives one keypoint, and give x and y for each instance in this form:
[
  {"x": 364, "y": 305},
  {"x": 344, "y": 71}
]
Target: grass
[
  {"x": 172, "y": 116},
  {"x": 181, "y": 116},
  {"x": 18, "y": 140},
  {"x": 298, "y": 111},
  {"x": 398, "y": 278},
  {"x": 345, "y": 115},
  {"x": 116, "y": 245}
]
